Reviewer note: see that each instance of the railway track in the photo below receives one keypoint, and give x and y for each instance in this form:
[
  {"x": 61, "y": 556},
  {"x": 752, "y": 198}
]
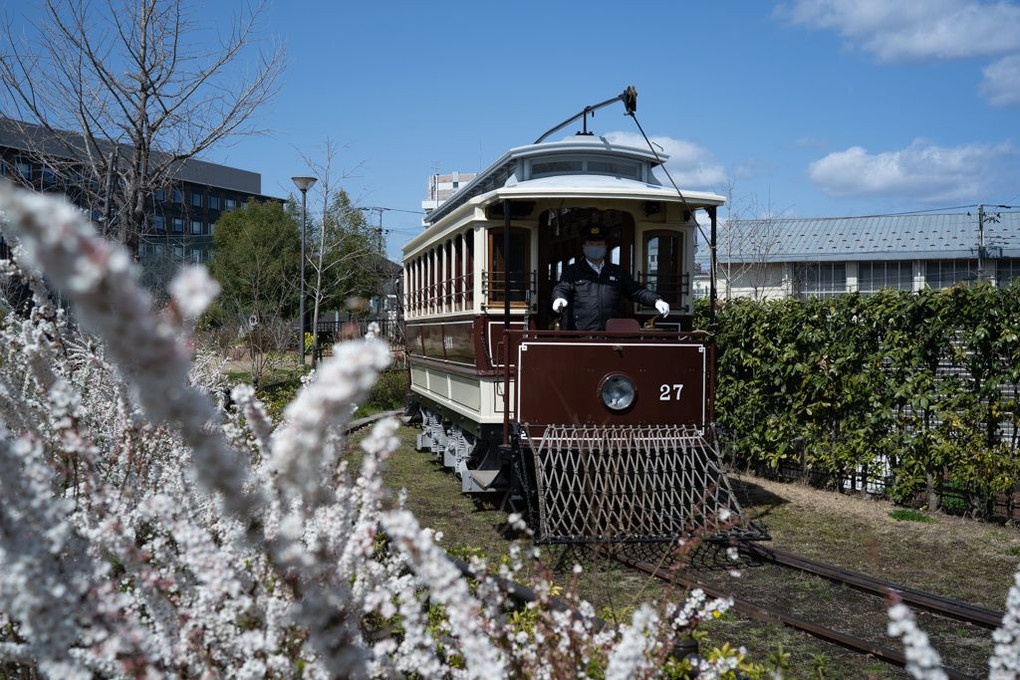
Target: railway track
[
  {"x": 961, "y": 611},
  {"x": 976, "y": 619}
]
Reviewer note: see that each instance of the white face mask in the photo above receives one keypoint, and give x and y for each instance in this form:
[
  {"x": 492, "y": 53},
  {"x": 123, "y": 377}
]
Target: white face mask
[{"x": 594, "y": 252}]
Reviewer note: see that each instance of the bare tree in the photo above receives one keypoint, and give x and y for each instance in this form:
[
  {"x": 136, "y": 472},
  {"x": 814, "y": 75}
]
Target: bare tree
[
  {"x": 114, "y": 96},
  {"x": 346, "y": 255},
  {"x": 746, "y": 248}
]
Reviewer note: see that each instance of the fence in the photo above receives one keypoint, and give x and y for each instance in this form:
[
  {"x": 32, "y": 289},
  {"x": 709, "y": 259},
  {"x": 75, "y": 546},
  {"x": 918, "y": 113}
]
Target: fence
[{"x": 331, "y": 332}]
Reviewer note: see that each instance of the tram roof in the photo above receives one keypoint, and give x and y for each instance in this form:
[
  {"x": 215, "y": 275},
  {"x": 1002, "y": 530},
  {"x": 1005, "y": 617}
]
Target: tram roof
[
  {"x": 501, "y": 179},
  {"x": 502, "y": 173}
]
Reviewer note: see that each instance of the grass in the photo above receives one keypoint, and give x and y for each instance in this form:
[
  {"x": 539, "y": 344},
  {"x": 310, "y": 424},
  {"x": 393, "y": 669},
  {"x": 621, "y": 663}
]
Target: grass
[
  {"x": 911, "y": 515},
  {"x": 279, "y": 387},
  {"x": 839, "y": 529}
]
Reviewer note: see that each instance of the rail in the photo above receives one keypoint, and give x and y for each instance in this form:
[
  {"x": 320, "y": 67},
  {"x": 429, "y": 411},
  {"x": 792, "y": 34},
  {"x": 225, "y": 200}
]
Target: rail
[
  {"x": 883, "y": 652},
  {"x": 522, "y": 287},
  {"x": 934, "y": 603}
]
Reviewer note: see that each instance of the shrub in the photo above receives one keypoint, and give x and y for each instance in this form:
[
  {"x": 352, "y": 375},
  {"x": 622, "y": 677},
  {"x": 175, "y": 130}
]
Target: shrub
[{"x": 389, "y": 392}]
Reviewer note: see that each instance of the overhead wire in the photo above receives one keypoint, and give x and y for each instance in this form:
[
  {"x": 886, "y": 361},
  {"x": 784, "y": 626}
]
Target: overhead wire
[{"x": 658, "y": 159}]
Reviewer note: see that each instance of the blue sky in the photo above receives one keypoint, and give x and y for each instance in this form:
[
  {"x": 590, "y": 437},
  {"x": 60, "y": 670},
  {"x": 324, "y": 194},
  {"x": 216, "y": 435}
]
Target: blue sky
[{"x": 802, "y": 108}]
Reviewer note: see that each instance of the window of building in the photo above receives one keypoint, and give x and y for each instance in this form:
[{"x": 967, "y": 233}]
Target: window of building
[
  {"x": 875, "y": 276},
  {"x": 159, "y": 222},
  {"x": 196, "y": 226},
  {"x": 229, "y": 204},
  {"x": 947, "y": 273},
  {"x": 819, "y": 279},
  {"x": 24, "y": 169},
  {"x": 49, "y": 176},
  {"x": 519, "y": 262},
  {"x": 159, "y": 195},
  {"x": 196, "y": 199},
  {"x": 663, "y": 265},
  {"x": 179, "y": 252},
  {"x": 214, "y": 202},
  {"x": 1007, "y": 271},
  {"x": 178, "y": 196},
  {"x": 178, "y": 225}
]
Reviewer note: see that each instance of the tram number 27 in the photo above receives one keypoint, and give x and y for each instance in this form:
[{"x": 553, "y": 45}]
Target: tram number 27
[{"x": 669, "y": 392}]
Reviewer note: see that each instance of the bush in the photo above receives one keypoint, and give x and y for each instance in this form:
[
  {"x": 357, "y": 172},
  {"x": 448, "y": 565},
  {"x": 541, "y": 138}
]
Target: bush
[
  {"x": 391, "y": 390},
  {"x": 920, "y": 380}
]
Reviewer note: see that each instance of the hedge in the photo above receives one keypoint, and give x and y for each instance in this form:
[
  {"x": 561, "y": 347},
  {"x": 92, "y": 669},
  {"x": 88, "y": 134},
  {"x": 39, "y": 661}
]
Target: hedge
[{"x": 925, "y": 382}]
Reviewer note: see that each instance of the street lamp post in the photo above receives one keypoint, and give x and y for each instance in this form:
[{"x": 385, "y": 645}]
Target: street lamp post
[{"x": 303, "y": 184}]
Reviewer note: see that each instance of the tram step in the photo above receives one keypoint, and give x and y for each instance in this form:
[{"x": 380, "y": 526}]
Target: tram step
[{"x": 484, "y": 478}]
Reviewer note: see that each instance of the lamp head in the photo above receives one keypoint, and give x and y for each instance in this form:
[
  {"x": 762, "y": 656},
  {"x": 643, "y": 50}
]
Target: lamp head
[{"x": 304, "y": 183}]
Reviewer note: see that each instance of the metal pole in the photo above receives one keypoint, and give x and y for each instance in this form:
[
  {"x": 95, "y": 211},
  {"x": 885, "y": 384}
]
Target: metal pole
[
  {"x": 981, "y": 243},
  {"x": 301, "y": 303},
  {"x": 506, "y": 266},
  {"x": 713, "y": 264},
  {"x": 506, "y": 321}
]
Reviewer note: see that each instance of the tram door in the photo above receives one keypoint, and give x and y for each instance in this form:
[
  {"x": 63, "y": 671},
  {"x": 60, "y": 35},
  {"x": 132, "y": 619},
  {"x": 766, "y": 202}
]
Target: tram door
[{"x": 559, "y": 244}]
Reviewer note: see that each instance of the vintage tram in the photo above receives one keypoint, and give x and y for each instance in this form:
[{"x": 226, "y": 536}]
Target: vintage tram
[{"x": 594, "y": 435}]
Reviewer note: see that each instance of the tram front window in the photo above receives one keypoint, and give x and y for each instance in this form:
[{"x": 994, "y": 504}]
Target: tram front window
[{"x": 663, "y": 265}]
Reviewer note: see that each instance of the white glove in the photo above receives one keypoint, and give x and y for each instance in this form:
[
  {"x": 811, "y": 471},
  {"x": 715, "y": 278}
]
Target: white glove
[
  {"x": 662, "y": 307},
  {"x": 560, "y": 303}
]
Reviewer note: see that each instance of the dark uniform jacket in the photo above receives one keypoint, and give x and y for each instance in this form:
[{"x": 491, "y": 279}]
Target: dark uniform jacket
[{"x": 592, "y": 298}]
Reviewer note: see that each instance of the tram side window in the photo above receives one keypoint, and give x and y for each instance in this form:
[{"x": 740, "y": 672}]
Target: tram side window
[
  {"x": 663, "y": 264},
  {"x": 433, "y": 262},
  {"x": 419, "y": 284},
  {"x": 458, "y": 271},
  {"x": 519, "y": 261},
  {"x": 469, "y": 268},
  {"x": 411, "y": 293},
  {"x": 449, "y": 269}
]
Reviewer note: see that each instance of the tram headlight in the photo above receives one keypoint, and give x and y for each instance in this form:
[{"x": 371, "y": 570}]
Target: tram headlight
[{"x": 617, "y": 392}]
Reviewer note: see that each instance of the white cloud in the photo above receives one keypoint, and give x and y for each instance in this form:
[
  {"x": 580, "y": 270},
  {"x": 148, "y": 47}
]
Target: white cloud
[
  {"x": 1001, "y": 84},
  {"x": 922, "y": 171},
  {"x": 905, "y": 30},
  {"x": 925, "y": 29},
  {"x": 691, "y": 166}
]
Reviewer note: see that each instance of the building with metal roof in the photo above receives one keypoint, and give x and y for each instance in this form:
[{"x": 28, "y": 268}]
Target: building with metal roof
[{"x": 778, "y": 257}]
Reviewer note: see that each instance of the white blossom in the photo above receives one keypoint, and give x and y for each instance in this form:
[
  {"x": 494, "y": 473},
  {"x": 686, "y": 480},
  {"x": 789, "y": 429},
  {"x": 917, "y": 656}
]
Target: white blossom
[{"x": 193, "y": 290}]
